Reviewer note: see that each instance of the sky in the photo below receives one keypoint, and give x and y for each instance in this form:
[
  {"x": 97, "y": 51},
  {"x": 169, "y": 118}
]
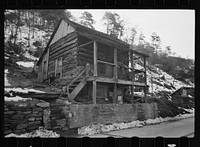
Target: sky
[{"x": 176, "y": 28}]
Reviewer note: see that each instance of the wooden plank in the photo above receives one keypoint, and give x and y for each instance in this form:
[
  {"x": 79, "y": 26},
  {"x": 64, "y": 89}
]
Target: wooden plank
[
  {"x": 67, "y": 38},
  {"x": 99, "y": 61},
  {"x": 132, "y": 94},
  {"x": 95, "y": 58},
  {"x": 145, "y": 78},
  {"x": 61, "y": 67},
  {"x": 77, "y": 89},
  {"x": 132, "y": 77},
  {"x": 64, "y": 46},
  {"x": 85, "y": 44},
  {"x": 64, "y": 50},
  {"x": 47, "y": 68},
  {"x": 115, "y": 93},
  {"x": 115, "y": 63},
  {"x": 56, "y": 67},
  {"x": 94, "y": 92}
]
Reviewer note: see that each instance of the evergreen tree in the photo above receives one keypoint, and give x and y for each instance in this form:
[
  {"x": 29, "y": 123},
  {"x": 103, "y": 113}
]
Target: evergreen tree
[
  {"x": 156, "y": 41},
  {"x": 87, "y": 20},
  {"x": 114, "y": 25}
]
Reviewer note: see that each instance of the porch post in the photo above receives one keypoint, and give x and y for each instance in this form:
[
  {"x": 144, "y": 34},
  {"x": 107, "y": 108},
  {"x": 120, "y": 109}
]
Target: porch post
[
  {"x": 132, "y": 77},
  {"x": 145, "y": 78},
  {"x": 115, "y": 76},
  {"x": 94, "y": 89}
]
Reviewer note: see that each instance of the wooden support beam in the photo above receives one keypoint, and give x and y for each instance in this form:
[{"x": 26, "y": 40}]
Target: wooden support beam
[
  {"x": 132, "y": 77},
  {"x": 94, "y": 92},
  {"x": 95, "y": 58},
  {"x": 99, "y": 61},
  {"x": 115, "y": 93},
  {"x": 94, "y": 89},
  {"x": 56, "y": 67},
  {"x": 85, "y": 44},
  {"x": 115, "y": 63},
  {"x": 145, "y": 78},
  {"x": 132, "y": 94}
]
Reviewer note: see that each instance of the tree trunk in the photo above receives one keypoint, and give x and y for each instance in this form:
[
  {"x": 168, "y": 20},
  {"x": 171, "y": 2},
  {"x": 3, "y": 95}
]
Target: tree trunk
[{"x": 17, "y": 27}]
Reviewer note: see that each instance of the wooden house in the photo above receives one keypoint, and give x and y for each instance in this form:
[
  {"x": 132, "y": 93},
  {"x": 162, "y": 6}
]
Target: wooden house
[
  {"x": 184, "y": 96},
  {"x": 90, "y": 63}
]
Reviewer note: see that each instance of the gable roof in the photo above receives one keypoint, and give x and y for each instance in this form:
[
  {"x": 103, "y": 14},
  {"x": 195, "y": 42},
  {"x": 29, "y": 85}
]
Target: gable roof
[
  {"x": 93, "y": 33},
  {"x": 45, "y": 50},
  {"x": 183, "y": 87},
  {"x": 83, "y": 29}
]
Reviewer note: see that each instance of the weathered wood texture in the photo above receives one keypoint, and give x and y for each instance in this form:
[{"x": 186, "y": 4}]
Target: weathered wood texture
[{"x": 66, "y": 48}]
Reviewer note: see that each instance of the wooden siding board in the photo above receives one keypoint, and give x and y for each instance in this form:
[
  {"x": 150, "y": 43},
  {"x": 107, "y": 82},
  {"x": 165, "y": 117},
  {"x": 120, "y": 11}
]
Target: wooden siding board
[{"x": 62, "y": 31}]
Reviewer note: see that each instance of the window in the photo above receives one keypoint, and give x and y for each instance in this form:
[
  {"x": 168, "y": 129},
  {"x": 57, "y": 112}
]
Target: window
[{"x": 58, "y": 67}]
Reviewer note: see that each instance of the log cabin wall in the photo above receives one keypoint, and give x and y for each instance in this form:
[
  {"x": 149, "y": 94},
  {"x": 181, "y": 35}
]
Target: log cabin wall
[
  {"x": 65, "y": 51},
  {"x": 43, "y": 67},
  {"x": 85, "y": 53}
]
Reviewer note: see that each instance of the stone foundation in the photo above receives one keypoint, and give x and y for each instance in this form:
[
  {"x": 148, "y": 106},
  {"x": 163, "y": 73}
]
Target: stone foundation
[{"x": 25, "y": 116}]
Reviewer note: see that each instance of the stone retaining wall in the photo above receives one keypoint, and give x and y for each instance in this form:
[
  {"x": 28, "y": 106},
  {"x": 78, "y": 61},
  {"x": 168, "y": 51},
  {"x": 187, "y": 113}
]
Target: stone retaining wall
[
  {"x": 65, "y": 116},
  {"x": 25, "y": 116}
]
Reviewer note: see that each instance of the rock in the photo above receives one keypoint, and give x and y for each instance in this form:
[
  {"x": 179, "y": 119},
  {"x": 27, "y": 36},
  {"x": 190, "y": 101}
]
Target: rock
[
  {"x": 43, "y": 105},
  {"x": 17, "y": 116},
  {"x": 37, "y": 109},
  {"x": 23, "y": 105},
  {"x": 38, "y": 118},
  {"x": 33, "y": 127},
  {"x": 9, "y": 112},
  {"x": 20, "y": 131},
  {"x": 8, "y": 132},
  {"x": 31, "y": 119},
  {"x": 61, "y": 122},
  {"x": 40, "y": 114},
  {"x": 46, "y": 115},
  {"x": 30, "y": 115},
  {"x": 47, "y": 126},
  {"x": 34, "y": 123},
  {"x": 27, "y": 112},
  {"x": 21, "y": 126}
]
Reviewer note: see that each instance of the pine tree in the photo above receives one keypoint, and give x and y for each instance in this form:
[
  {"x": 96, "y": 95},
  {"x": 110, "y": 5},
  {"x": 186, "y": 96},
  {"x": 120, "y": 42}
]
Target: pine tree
[
  {"x": 114, "y": 25},
  {"x": 87, "y": 20}
]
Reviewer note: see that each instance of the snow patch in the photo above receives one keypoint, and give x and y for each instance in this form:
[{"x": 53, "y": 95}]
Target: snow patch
[
  {"x": 16, "y": 98},
  {"x": 40, "y": 132},
  {"x": 6, "y": 82},
  {"x": 99, "y": 128},
  {"x": 25, "y": 90},
  {"x": 26, "y": 64}
]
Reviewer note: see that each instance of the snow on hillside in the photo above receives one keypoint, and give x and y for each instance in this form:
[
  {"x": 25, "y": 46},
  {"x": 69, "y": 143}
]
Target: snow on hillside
[
  {"x": 24, "y": 90},
  {"x": 25, "y": 64},
  {"x": 23, "y": 36},
  {"x": 158, "y": 80},
  {"x": 16, "y": 98},
  {"x": 6, "y": 82}
]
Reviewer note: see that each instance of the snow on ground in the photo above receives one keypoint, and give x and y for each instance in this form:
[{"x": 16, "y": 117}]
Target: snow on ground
[
  {"x": 40, "y": 132},
  {"x": 24, "y": 90},
  {"x": 16, "y": 98},
  {"x": 27, "y": 55},
  {"x": 99, "y": 128},
  {"x": 25, "y": 64},
  {"x": 6, "y": 82}
]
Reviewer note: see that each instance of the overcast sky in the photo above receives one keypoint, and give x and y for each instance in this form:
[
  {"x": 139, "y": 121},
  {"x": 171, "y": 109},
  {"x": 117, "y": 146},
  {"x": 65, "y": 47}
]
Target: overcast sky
[{"x": 175, "y": 27}]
